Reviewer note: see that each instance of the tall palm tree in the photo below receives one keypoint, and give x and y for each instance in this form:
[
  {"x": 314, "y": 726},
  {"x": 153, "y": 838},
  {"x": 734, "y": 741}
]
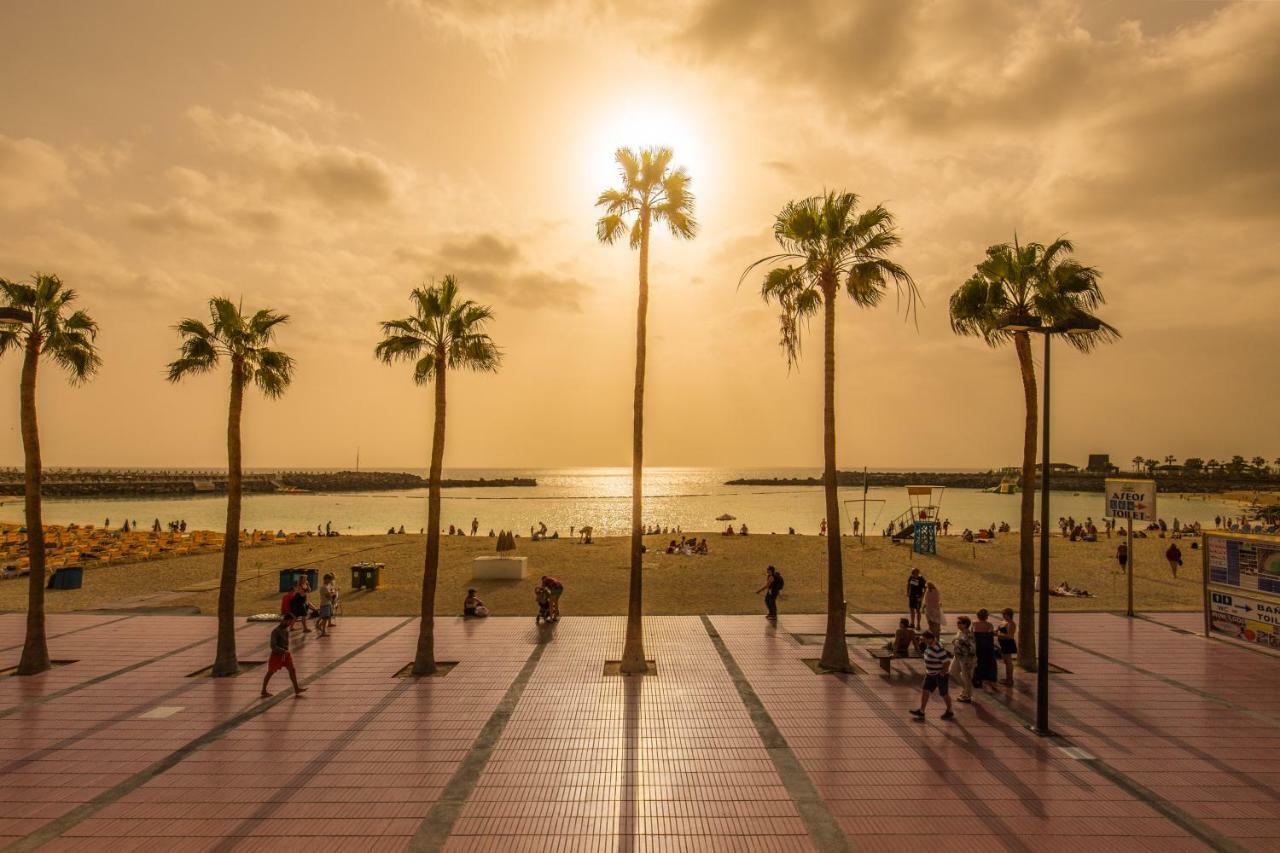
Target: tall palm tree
[
  {"x": 1041, "y": 282},
  {"x": 67, "y": 337},
  {"x": 651, "y": 192},
  {"x": 444, "y": 333},
  {"x": 245, "y": 342},
  {"x": 828, "y": 244},
  {"x": 1138, "y": 462}
]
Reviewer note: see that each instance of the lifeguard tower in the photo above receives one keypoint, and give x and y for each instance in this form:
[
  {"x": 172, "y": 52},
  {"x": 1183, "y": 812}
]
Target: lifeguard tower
[{"x": 920, "y": 520}]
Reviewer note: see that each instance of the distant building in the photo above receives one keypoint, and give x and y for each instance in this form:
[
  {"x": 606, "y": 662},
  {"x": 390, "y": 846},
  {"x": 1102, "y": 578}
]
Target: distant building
[{"x": 1100, "y": 463}]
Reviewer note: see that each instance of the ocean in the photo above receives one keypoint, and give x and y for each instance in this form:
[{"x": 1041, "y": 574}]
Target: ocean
[{"x": 690, "y": 498}]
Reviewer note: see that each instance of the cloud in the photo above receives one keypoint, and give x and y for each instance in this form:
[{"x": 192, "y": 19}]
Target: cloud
[
  {"x": 491, "y": 267},
  {"x": 333, "y": 174},
  {"x": 32, "y": 174},
  {"x": 482, "y": 249}
]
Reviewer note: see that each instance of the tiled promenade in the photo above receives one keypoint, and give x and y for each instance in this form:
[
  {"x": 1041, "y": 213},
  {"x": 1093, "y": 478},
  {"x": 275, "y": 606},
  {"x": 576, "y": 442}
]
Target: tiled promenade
[{"x": 1166, "y": 742}]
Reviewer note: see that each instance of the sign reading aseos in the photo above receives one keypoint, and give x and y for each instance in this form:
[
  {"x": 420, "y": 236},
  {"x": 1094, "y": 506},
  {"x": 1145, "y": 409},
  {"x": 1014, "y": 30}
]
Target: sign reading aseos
[{"x": 1134, "y": 499}]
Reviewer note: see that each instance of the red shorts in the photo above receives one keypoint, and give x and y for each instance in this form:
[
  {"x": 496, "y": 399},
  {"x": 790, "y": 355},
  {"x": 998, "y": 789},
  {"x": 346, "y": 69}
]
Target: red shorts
[{"x": 284, "y": 661}]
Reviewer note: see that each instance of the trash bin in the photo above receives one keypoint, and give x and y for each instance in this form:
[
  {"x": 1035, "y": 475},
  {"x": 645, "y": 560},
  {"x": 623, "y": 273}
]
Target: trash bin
[
  {"x": 289, "y": 577},
  {"x": 366, "y": 575},
  {"x": 70, "y": 577}
]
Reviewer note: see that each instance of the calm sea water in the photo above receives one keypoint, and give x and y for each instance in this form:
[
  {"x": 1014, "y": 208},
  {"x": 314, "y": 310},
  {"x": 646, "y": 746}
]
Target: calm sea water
[{"x": 689, "y": 497}]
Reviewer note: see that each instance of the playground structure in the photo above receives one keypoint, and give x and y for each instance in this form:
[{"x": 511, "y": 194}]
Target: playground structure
[{"x": 919, "y": 522}]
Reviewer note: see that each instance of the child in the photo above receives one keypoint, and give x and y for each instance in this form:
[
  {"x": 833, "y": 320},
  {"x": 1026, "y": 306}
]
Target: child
[
  {"x": 328, "y": 600},
  {"x": 937, "y": 666},
  {"x": 280, "y": 657},
  {"x": 472, "y": 606},
  {"x": 543, "y": 596}
]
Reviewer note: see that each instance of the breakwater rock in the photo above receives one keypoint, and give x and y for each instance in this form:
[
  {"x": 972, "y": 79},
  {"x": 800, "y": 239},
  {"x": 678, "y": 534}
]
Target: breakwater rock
[
  {"x": 92, "y": 483},
  {"x": 1063, "y": 481}
]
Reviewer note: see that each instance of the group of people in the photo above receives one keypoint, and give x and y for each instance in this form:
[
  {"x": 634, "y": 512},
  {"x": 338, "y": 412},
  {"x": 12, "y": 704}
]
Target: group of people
[
  {"x": 972, "y": 659},
  {"x": 728, "y": 531},
  {"x": 688, "y": 547},
  {"x": 546, "y": 595},
  {"x": 294, "y": 611}
]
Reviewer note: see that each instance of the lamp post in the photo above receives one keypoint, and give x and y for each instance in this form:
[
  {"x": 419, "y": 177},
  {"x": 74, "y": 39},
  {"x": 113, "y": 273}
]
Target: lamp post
[
  {"x": 1080, "y": 324},
  {"x": 13, "y": 318}
]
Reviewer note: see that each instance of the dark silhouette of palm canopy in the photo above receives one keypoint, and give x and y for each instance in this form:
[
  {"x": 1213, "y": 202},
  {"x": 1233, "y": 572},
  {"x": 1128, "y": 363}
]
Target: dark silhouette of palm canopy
[
  {"x": 244, "y": 342},
  {"x": 650, "y": 192},
  {"x": 1020, "y": 281},
  {"x": 830, "y": 245},
  {"x": 67, "y": 337},
  {"x": 444, "y": 333}
]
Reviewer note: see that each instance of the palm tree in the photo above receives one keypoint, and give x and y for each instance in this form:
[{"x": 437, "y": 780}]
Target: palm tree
[
  {"x": 1042, "y": 284},
  {"x": 54, "y": 331},
  {"x": 444, "y": 333},
  {"x": 245, "y": 342},
  {"x": 828, "y": 244},
  {"x": 1171, "y": 460},
  {"x": 1259, "y": 464},
  {"x": 1137, "y": 463},
  {"x": 651, "y": 192}
]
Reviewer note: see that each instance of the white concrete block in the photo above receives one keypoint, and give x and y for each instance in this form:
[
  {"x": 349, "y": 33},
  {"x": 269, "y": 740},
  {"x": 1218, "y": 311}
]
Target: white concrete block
[{"x": 499, "y": 568}]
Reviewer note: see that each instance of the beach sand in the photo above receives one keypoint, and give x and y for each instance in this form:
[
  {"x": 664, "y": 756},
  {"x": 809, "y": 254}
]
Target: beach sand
[{"x": 595, "y": 576}]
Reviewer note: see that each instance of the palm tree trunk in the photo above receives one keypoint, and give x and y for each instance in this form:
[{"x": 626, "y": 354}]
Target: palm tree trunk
[
  {"x": 835, "y": 652},
  {"x": 633, "y": 659},
  {"x": 1026, "y": 532},
  {"x": 35, "y": 650},
  {"x": 424, "y": 661},
  {"x": 225, "y": 662}
]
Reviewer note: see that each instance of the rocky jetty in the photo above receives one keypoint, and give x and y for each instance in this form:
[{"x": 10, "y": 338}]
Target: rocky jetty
[
  {"x": 91, "y": 483},
  {"x": 1063, "y": 481}
]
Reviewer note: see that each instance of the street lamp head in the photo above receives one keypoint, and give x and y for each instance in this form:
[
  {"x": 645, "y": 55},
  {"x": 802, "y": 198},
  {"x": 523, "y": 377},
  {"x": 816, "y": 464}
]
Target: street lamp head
[
  {"x": 1081, "y": 324},
  {"x": 1017, "y": 322},
  {"x": 13, "y": 318}
]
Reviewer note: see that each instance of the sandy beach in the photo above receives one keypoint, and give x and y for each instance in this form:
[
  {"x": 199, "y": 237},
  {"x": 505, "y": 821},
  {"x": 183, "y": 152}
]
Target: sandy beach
[{"x": 970, "y": 576}]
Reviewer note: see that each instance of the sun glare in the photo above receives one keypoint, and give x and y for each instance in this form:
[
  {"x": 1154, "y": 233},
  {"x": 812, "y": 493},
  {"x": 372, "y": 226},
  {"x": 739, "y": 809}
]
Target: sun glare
[{"x": 641, "y": 124}]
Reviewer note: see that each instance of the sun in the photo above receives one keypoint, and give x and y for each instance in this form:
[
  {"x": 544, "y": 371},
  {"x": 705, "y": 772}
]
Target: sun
[{"x": 639, "y": 123}]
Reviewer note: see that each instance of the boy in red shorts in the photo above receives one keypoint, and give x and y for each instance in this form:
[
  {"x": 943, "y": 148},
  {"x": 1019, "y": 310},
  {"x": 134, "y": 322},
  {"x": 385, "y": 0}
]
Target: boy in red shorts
[{"x": 280, "y": 657}]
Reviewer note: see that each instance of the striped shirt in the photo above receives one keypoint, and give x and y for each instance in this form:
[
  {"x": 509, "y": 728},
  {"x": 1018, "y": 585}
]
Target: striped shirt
[{"x": 935, "y": 658}]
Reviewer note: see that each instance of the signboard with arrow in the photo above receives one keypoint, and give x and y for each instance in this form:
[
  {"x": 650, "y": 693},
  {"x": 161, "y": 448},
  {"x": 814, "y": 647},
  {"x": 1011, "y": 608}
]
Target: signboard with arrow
[
  {"x": 1134, "y": 499},
  {"x": 1242, "y": 587}
]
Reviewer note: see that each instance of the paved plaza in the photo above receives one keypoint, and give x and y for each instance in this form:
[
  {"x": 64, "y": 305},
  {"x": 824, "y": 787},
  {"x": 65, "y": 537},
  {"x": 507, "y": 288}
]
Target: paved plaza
[{"x": 1166, "y": 742}]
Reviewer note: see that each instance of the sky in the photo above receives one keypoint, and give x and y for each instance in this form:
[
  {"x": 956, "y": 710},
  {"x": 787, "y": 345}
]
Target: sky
[{"x": 323, "y": 158}]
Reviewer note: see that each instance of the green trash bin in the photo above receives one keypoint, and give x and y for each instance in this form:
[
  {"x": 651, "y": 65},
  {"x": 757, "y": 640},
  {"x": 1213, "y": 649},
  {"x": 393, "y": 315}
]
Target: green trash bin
[{"x": 366, "y": 576}]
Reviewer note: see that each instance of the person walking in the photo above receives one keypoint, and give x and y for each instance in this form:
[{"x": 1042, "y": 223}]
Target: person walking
[
  {"x": 822, "y": 528},
  {"x": 281, "y": 658},
  {"x": 962, "y": 647},
  {"x": 915, "y": 595},
  {"x": 933, "y": 608},
  {"x": 1174, "y": 556},
  {"x": 984, "y": 648},
  {"x": 937, "y": 666},
  {"x": 328, "y": 601},
  {"x": 475, "y": 526},
  {"x": 1122, "y": 557},
  {"x": 773, "y": 583}
]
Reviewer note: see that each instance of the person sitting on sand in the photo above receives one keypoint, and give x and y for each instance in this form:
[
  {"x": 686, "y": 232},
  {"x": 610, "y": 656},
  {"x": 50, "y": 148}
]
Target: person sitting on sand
[
  {"x": 703, "y": 548},
  {"x": 473, "y": 607},
  {"x": 728, "y": 531},
  {"x": 743, "y": 532}
]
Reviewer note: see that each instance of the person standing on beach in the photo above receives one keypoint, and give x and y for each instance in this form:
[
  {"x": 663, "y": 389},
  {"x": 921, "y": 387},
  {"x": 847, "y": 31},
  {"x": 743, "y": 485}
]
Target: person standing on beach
[
  {"x": 772, "y": 586},
  {"x": 822, "y": 528},
  {"x": 915, "y": 595},
  {"x": 281, "y": 658},
  {"x": 475, "y": 526},
  {"x": 937, "y": 667},
  {"x": 1174, "y": 556},
  {"x": 1122, "y": 557}
]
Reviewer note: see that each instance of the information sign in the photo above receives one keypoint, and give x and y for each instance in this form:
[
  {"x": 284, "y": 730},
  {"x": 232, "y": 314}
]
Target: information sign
[
  {"x": 1241, "y": 617},
  {"x": 1135, "y": 499}
]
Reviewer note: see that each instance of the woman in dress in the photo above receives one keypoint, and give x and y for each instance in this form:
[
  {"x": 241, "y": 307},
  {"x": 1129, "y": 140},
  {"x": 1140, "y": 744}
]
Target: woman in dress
[
  {"x": 1008, "y": 634},
  {"x": 984, "y": 641},
  {"x": 933, "y": 608}
]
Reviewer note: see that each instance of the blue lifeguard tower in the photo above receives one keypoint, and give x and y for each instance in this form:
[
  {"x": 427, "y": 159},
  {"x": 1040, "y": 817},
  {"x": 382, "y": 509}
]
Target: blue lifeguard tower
[{"x": 920, "y": 521}]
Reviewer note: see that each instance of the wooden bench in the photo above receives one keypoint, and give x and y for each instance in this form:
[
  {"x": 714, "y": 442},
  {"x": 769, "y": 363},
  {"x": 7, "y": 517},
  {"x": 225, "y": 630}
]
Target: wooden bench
[{"x": 886, "y": 657}]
